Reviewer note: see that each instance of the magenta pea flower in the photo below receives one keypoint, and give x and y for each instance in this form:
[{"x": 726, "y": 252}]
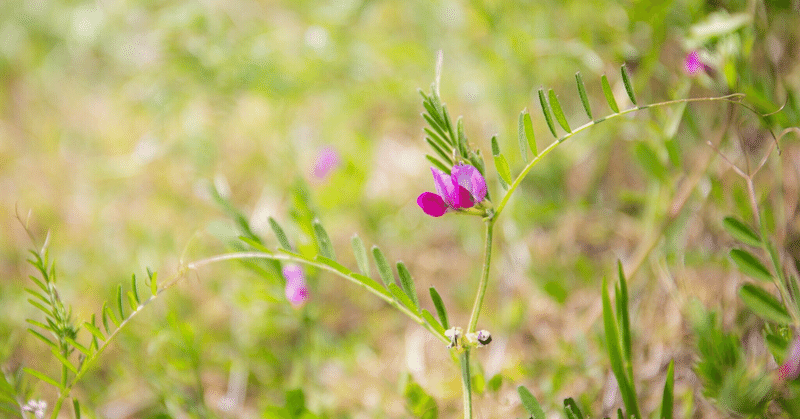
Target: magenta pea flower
[
  {"x": 790, "y": 368},
  {"x": 463, "y": 188},
  {"x": 692, "y": 64},
  {"x": 326, "y": 160},
  {"x": 296, "y": 290}
]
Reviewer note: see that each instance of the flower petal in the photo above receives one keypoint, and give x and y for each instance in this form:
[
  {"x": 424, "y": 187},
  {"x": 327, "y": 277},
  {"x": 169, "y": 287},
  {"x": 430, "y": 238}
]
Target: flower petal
[
  {"x": 470, "y": 178},
  {"x": 445, "y": 186},
  {"x": 293, "y": 274},
  {"x": 463, "y": 198},
  {"x": 692, "y": 64},
  {"x": 432, "y": 204}
]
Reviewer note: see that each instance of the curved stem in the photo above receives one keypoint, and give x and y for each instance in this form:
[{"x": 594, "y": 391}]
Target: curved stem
[
  {"x": 487, "y": 259},
  {"x": 734, "y": 98},
  {"x": 466, "y": 384},
  {"x": 67, "y": 389}
]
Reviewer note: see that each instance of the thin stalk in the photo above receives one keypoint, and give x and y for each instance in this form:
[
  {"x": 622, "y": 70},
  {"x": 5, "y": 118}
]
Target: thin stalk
[
  {"x": 733, "y": 98},
  {"x": 466, "y": 382},
  {"x": 487, "y": 259}
]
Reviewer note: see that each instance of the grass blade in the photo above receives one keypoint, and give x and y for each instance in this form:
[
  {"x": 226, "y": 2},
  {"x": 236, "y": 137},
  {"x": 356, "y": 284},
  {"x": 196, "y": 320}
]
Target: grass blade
[
  {"x": 627, "y": 82},
  {"x": 666, "y": 399},
  {"x": 361, "y": 254},
  {"x": 557, "y": 111},
  {"x": 624, "y": 317},
  {"x": 440, "y": 310},
  {"x": 612, "y": 103},
  {"x": 546, "y": 111},
  {"x": 407, "y": 282},
  {"x": 582, "y": 93}
]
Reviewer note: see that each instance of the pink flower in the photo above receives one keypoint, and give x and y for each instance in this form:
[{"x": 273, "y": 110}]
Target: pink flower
[
  {"x": 692, "y": 64},
  {"x": 296, "y": 290},
  {"x": 790, "y": 368},
  {"x": 326, "y": 161},
  {"x": 463, "y": 188}
]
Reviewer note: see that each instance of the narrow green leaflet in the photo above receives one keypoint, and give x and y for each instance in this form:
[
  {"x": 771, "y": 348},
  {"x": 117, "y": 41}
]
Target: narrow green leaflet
[
  {"x": 76, "y": 406},
  {"x": 432, "y": 321},
  {"x": 360, "y": 253},
  {"x": 43, "y": 377},
  {"x": 279, "y": 234},
  {"x": 84, "y": 350},
  {"x": 119, "y": 303},
  {"x": 94, "y": 330},
  {"x": 439, "y": 304},
  {"x": 546, "y": 111},
  {"x": 408, "y": 283},
  {"x": 324, "y": 242},
  {"x": 740, "y": 231},
  {"x": 462, "y": 138},
  {"x": 530, "y": 403},
  {"x": 439, "y": 150},
  {"x": 666, "y": 399},
  {"x": 153, "y": 282},
  {"x": 64, "y": 361},
  {"x": 582, "y": 93},
  {"x": 523, "y": 142},
  {"x": 764, "y": 304},
  {"x": 627, "y": 82},
  {"x": 750, "y": 266},
  {"x": 557, "y": 111},
  {"x": 503, "y": 170},
  {"x": 384, "y": 269},
  {"x": 43, "y": 338},
  {"x": 612, "y": 103},
  {"x": 255, "y": 244},
  {"x": 571, "y": 406},
  {"x": 439, "y": 165},
  {"x": 528, "y": 125},
  {"x": 400, "y": 296},
  {"x": 501, "y": 164},
  {"x": 135, "y": 290}
]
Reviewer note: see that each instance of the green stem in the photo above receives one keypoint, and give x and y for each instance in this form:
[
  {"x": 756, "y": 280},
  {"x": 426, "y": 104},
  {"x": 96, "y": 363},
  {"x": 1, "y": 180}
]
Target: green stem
[
  {"x": 466, "y": 384},
  {"x": 487, "y": 259},
  {"x": 734, "y": 98}
]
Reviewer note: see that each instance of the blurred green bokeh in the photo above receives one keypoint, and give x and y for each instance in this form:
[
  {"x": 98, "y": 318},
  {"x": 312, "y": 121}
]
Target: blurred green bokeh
[{"x": 117, "y": 116}]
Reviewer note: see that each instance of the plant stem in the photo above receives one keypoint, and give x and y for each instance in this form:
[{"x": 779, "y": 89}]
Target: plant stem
[
  {"x": 466, "y": 384},
  {"x": 487, "y": 259}
]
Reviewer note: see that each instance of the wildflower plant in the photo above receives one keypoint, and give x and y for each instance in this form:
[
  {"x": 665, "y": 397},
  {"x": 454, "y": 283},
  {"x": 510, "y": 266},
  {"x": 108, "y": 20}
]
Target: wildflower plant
[{"x": 463, "y": 186}]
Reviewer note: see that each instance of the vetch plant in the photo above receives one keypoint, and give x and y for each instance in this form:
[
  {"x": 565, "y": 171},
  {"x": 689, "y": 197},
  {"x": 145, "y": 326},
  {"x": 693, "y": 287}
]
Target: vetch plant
[{"x": 460, "y": 180}]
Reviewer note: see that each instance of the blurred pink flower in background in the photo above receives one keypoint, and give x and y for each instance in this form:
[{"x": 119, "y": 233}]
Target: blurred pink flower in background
[
  {"x": 327, "y": 159},
  {"x": 790, "y": 368},
  {"x": 692, "y": 64},
  {"x": 296, "y": 290}
]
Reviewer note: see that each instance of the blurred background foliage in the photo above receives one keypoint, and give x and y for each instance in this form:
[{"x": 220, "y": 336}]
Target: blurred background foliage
[{"x": 117, "y": 116}]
